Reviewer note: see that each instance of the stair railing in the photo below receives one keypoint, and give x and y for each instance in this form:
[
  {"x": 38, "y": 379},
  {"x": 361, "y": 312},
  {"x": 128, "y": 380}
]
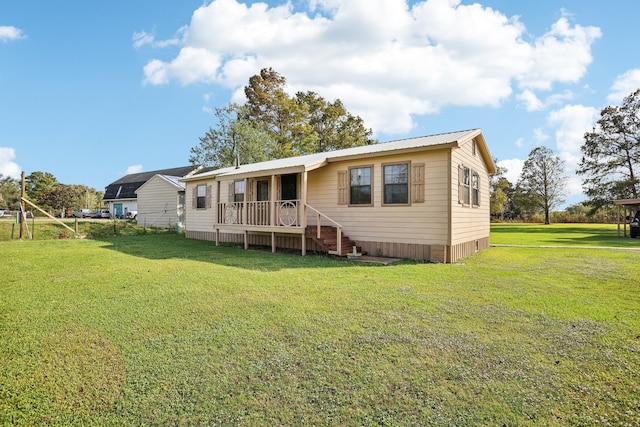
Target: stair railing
[{"x": 319, "y": 216}]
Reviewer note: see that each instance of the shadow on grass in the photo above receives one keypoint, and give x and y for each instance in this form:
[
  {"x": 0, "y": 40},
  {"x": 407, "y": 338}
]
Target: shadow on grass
[{"x": 174, "y": 246}]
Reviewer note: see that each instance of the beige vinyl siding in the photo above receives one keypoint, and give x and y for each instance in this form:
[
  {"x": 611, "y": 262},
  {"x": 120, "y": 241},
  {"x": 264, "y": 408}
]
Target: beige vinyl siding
[
  {"x": 200, "y": 220},
  {"x": 157, "y": 203},
  {"x": 469, "y": 222},
  {"x": 417, "y": 223}
]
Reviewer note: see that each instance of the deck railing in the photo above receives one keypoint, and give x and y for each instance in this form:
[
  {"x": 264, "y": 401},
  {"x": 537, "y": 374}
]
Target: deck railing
[
  {"x": 281, "y": 213},
  {"x": 319, "y": 216},
  {"x": 286, "y": 213}
]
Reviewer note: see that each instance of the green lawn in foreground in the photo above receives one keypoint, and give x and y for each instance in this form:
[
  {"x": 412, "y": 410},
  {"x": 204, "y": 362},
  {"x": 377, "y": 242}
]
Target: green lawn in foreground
[{"x": 160, "y": 330}]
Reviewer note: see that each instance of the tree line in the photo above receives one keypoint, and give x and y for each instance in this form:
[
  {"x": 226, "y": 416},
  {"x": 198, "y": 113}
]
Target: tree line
[
  {"x": 608, "y": 166},
  {"x": 43, "y": 189}
]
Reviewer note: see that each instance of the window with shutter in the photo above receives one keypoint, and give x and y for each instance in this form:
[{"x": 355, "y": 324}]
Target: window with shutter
[
  {"x": 360, "y": 186},
  {"x": 238, "y": 191},
  {"x": 201, "y": 196},
  {"x": 395, "y": 183}
]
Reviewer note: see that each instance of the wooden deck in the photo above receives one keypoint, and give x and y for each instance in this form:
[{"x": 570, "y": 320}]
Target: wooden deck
[{"x": 283, "y": 217}]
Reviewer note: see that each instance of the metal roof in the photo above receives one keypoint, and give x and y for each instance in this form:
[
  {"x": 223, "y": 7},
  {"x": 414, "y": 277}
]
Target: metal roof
[
  {"x": 125, "y": 187},
  {"x": 314, "y": 161}
]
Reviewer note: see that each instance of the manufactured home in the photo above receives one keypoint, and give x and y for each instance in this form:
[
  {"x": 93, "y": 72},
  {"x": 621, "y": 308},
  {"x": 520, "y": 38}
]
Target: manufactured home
[{"x": 424, "y": 198}]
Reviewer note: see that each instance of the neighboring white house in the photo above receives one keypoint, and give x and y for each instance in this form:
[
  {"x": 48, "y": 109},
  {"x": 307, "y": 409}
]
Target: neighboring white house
[
  {"x": 161, "y": 202},
  {"x": 423, "y": 198},
  {"x": 121, "y": 194}
]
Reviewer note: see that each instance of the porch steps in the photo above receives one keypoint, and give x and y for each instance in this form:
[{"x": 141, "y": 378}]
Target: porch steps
[{"x": 328, "y": 241}]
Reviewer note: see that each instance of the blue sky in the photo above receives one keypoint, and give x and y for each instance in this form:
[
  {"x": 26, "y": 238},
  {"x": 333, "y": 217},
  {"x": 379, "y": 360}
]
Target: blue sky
[{"x": 91, "y": 91}]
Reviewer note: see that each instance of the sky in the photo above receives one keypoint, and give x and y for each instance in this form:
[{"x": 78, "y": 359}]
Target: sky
[{"x": 91, "y": 91}]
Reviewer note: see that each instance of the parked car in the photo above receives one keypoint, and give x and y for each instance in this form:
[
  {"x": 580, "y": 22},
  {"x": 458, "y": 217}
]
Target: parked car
[
  {"x": 634, "y": 225},
  {"x": 101, "y": 213},
  {"x": 132, "y": 214},
  {"x": 83, "y": 213}
]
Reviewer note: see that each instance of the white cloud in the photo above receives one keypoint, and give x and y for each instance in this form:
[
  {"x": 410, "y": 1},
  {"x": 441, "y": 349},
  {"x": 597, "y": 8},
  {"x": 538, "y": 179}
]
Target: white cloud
[
  {"x": 9, "y": 33},
  {"x": 191, "y": 65},
  {"x": 134, "y": 169},
  {"x": 513, "y": 167},
  {"x": 561, "y": 55},
  {"x": 539, "y": 135},
  {"x": 386, "y": 63},
  {"x": 624, "y": 85},
  {"x": 530, "y": 100},
  {"x": 533, "y": 103},
  {"x": 571, "y": 122},
  {"x": 142, "y": 38},
  {"x": 7, "y": 166}
]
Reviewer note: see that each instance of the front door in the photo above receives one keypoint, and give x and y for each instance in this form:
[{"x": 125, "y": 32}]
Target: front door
[
  {"x": 287, "y": 212},
  {"x": 117, "y": 210},
  {"x": 263, "y": 191},
  {"x": 289, "y": 187}
]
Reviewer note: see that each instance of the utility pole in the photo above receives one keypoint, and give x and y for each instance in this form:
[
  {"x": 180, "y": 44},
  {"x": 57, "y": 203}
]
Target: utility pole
[{"x": 23, "y": 216}]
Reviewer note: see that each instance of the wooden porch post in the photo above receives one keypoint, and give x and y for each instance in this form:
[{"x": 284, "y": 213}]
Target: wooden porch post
[
  {"x": 245, "y": 205},
  {"x": 272, "y": 210},
  {"x": 303, "y": 212},
  {"x": 216, "y": 214}
]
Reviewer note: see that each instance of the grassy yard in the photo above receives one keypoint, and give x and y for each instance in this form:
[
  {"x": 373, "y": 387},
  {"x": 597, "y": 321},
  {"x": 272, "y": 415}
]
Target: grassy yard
[
  {"x": 602, "y": 235},
  {"x": 160, "y": 330}
]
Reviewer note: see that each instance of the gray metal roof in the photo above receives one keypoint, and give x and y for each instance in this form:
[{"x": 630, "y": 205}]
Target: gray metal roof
[{"x": 313, "y": 161}]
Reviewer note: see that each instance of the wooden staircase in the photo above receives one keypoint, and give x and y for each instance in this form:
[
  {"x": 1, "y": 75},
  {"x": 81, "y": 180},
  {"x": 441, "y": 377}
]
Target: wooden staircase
[{"x": 328, "y": 241}]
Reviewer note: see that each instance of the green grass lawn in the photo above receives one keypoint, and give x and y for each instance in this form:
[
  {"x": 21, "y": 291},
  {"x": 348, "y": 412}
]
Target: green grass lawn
[
  {"x": 161, "y": 330},
  {"x": 604, "y": 235}
]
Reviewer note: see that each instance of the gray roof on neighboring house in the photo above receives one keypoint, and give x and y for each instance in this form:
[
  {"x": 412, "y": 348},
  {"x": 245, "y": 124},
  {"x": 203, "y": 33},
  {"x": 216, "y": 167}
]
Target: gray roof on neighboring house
[{"x": 313, "y": 161}]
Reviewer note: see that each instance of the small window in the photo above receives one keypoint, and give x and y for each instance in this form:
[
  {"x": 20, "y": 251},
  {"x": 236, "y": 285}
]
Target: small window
[
  {"x": 201, "y": 201},
  {"x": 473, "y": 147},
  {"x": 396, "y": 184},
  {"x": 464, "y": 185},
  {"x": 238, "y": 191},
  {"x": 360, "y": 186},
  {"x": 475, "y": 188}
]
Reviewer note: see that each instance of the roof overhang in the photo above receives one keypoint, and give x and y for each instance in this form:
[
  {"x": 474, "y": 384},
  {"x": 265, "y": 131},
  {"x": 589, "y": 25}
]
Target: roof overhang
[
  {"x": 310, "y": 162},
  {"x": 627, "y": 202}
]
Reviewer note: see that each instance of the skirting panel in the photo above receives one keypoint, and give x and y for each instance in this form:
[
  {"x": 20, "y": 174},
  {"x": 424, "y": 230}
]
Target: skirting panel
[
  {"x": 283, "y": 241},
  {"x": 432, "y": 253}
]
